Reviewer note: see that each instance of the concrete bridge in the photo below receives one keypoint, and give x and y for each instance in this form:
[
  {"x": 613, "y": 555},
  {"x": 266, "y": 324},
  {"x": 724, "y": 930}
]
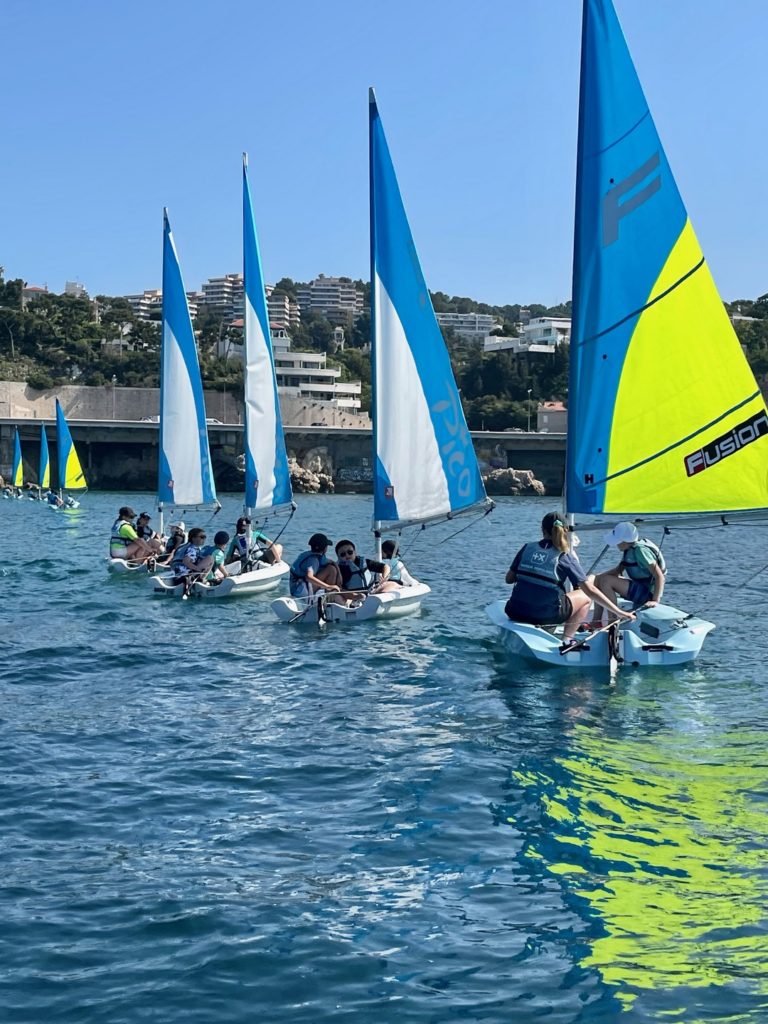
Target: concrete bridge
[{"x": 122, "y": 454}]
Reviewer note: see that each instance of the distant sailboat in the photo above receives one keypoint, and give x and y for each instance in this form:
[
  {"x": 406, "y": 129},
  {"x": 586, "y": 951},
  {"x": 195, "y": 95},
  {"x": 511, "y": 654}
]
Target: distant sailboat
[
  {"x": 71, "y": 475},
  {"x": 17, "y": 471},
  {"x": 267, "y": 478},
  {"x": 665, "y": 416},
  {"x": 425, "y": 467}
]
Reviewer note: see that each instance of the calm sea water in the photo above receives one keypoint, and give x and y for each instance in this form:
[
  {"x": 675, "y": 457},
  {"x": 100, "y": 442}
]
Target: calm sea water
[{"x": 210, "y": 817}]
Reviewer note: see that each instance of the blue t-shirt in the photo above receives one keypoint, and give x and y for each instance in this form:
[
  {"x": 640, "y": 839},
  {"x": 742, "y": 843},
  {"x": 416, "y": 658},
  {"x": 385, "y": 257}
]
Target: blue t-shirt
[{"x": 299, "y": 586}]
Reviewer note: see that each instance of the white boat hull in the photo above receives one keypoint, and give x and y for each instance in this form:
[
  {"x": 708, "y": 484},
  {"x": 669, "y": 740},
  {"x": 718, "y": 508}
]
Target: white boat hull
[
  {"x": 236, "y": 584},
  {"x": 122, "y": 567},
  {"x": 660, "y": 636},
  {"x": 391, "y": 605}
]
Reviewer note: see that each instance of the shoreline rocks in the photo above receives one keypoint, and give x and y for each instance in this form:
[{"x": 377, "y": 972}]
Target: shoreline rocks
[{"x": 500, "y": 482}]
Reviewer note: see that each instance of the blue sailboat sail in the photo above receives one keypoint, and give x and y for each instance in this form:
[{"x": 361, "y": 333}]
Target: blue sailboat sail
[
  {"x": 425, "y": 466},
  {"x": 44, "y": 475},
  {"x": 71, "y": 476},
  {"x": 185, "y": 475},
  {"x": 267, "y": 479},
  {"x": 17, "y": 472},
  {"x": 665, "y": 415}
]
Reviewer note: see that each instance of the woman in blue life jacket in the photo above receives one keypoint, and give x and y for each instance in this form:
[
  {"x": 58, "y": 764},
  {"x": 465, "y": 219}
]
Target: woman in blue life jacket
[
  {"x": 540, "y": 571},
  {"x": 312, "y": 571},
  {"x": 639, "y": 576}
]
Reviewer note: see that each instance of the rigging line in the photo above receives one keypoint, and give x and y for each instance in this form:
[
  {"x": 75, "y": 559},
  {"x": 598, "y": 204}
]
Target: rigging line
[
  {"x": 683, "y": 440},
  {"x": 642, "y": 309},
  {"x": 471, "y": 523}
]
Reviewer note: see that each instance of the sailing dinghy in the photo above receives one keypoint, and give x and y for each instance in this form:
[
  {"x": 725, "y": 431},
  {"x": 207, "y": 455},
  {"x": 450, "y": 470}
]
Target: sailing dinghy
[
  {"x": 17, "y": 469},
  {"x": 184, "y": 471},
  {"x": 425, "y": 468},
  {"x": 267, "y": 477},
  {"x": 665, "y": 421},
  {"x": 44, "y": 471},
  {"x": 71, "y": 475}
]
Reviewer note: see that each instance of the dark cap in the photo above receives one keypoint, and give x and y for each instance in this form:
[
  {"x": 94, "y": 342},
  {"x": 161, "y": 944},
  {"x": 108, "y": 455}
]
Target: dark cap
[
  {"x": 127, "y": 511},
  {"x": 551, "y": 520},
  {"x": 144, "y": 515},
  {"x": 243, "y": 521},
  {"x": 318, "y": 541}
]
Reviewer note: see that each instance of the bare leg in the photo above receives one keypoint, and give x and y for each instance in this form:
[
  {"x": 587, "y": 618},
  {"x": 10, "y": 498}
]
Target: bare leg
[
  {"x": 613, "y": 587},
  {"x": 580, "y": 606}
]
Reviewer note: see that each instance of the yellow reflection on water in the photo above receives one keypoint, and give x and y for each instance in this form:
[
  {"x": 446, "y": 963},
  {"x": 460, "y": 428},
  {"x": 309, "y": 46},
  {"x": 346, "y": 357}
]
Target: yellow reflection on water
[{"x": 664, "y": 837}]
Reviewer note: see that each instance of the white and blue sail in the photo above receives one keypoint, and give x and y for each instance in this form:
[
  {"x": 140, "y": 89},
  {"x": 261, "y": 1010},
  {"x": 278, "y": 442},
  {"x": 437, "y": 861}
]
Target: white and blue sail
[
  {"x": 425, "y": 466},
  {"x": 267, "y": 478},
  {"x": 185, "y": 474}
]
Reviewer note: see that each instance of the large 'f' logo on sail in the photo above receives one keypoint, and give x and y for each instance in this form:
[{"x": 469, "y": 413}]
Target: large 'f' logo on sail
[{"x": 615, "y": 206}]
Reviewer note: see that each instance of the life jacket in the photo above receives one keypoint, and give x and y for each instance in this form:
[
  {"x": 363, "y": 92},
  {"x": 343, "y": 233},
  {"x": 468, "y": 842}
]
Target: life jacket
[
  {"x": 354, "y": 575},
  {"x": 538, "y": 568},
  {"x": 302, "y": 564},
  {"x": 630, "y": 566},
  {"x": 117, "y": 543},
  {"x": 144, "y": 532}
]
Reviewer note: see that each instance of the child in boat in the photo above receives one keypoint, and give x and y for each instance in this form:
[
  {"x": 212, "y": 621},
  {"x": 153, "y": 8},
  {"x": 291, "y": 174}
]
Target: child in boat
[
  {"x": 216, "y": 552},
  {"x": 189, "y": 564},
  {"x": 639, "y": 576},
  {"x": 540, "y": 572},
  {"x": 262, "y": 549},
  {"x": 355, "y": 570},
  {"x": 312, "y": 571},
  {"x": 395, "y": 574}
]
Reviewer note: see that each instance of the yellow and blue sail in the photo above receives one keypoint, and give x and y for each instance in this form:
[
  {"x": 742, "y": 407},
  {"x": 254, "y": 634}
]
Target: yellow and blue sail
[
  {"x": 71, "y": 476},
  {"x": 17, "y": 472},
  {"x": 185, "y": 475},
  {"x": 424, "y": 462},
  {"x": 267, "y": 478},
  {"x": 44, "y": 475},
  {"x": 665, "y": 415}
]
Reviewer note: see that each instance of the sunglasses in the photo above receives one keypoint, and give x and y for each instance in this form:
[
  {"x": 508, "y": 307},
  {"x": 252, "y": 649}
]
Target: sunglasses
[
  {"x": 347, "y": 552},
  {"x": 199, "y": 536}
]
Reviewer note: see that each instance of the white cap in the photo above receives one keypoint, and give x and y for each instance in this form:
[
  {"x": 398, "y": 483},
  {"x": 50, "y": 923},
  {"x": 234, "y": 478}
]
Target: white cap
[
  {"x": 622, "y": 533},
  {"x": 177, "y": 526}
]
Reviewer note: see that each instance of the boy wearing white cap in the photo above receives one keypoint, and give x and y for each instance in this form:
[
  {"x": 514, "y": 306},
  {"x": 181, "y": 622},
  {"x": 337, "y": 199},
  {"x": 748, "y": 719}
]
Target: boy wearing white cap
[{"x": 639, "y": 576}]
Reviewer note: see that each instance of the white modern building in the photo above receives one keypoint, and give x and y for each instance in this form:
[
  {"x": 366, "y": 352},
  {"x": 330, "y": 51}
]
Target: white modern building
[
  {"x": 336, "y": 298},
  {"x": 539, "y": 337},
  {"x": 472, "y": 326},
  {"x": 75, "y": 289},
  {"x": 224, "y": 294},
  {"x": 284, "y": 312}
]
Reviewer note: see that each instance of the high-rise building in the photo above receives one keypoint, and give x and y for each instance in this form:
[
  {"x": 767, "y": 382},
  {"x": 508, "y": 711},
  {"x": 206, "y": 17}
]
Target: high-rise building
[
  {"x": 283, "y": 311},
  {"x": 472, "y": 326},
  {"x": 224, "y": 294}
]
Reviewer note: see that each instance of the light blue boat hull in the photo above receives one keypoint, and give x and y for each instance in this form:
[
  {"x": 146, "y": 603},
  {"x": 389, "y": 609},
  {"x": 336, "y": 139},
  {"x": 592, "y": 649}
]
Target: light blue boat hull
[{"x": 660, "y": 636}]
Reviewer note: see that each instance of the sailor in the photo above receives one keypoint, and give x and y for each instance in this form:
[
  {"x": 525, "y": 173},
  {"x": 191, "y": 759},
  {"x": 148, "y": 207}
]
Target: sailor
[
  {"x": 54, "y": 500},
  {"x": 395, "y": 574},
  {"x": 188, "y": 563},
  {"x": 216, "y": 552},
  {"x": 639, "y": 576},
  {"x": 146, "y": 533},
  {"x": 355, "y": 570},
  {"x": 540, "y": 572},
  {"x": 261, "y": 549},
  {"x": 124, "y": 542},
  {"x": 313, "y": 571},
  {"x": 176, "y": 537}
]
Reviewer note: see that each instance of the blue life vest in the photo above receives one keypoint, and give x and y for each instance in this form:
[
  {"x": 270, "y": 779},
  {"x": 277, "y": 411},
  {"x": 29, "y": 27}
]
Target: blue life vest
[
  {"x": 538, "y": 568},
  {"x": 299, "y": 584},
  {"x": 52, "y": 499},
  {"x": 634, "y": 571},
  {"x": 354, "y": 574}
]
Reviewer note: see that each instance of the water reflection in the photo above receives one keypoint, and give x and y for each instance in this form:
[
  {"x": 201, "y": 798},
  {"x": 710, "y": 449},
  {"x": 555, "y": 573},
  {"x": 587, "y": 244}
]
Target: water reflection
[{"x": 652, "y": 819}]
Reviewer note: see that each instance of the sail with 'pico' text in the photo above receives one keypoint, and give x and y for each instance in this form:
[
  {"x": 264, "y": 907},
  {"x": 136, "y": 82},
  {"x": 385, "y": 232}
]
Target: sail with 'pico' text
[
  {"x": 185, "y": 475},
  {"x": 665, "y": 415},
  {"x": 17, "y": 472},
  {"x": 71, "y": 475},
  {"x": 267, "y": 478},
  {"x": 44, "y": 474},
  {"x": 425, "y": 466}
]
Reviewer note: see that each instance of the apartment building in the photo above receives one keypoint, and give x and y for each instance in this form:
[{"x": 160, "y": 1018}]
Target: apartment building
[
  {"x": 541, "y": 336},
  {"x": 471, "y": 326},
  {"x": 284, "y": 312},
  {"x": 336, "y": 298}
]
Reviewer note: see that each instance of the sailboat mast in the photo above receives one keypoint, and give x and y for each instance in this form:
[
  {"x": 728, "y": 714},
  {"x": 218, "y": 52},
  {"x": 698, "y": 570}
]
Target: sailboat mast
[{"x": 374, "y": 326}]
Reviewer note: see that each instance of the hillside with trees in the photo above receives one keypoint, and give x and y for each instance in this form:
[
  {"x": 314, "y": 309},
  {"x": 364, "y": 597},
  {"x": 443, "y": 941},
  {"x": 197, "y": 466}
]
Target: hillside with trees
[{"x": 63, "y": 339}]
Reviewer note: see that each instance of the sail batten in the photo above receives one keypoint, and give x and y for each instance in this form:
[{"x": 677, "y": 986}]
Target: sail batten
[
  {"x": 267, "y": 477},
  {"x": 665, "y": 415},
  {"x": 425, "y": 466},
  {"x": 185, "y": 475},
  {"x": 71, "y": 475}
]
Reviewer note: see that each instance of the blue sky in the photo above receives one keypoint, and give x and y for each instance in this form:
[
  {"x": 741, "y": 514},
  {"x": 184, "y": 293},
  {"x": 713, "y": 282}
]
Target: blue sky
[{"x": 111, "y": 111}]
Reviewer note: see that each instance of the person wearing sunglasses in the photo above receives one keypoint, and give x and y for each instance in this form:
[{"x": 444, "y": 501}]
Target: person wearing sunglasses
[
  {"x": 355, "y": 570},
  {"x": 188, "y": 563}
]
